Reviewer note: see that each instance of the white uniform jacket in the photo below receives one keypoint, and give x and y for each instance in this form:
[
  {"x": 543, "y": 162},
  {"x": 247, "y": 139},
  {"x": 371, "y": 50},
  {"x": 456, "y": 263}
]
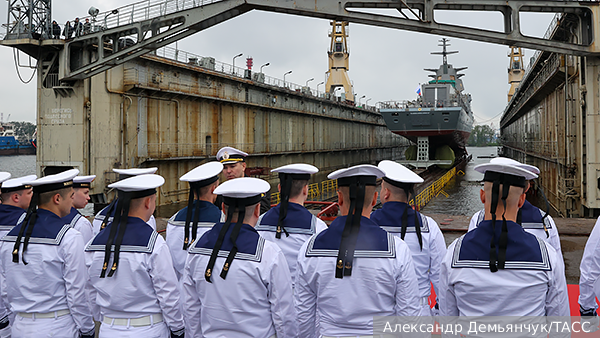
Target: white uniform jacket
[
  {"x": 532, "y": 283},
  {"x": 209, "y": 215},
  {"x": 254, "y": 300},
  {"x": 97, "y": 222},
  {"x": 144, "y": 283},
  {"x": 426, "y": 259},
  {"x": 54, "y": 278},
  {"x": 80, "y": 223},
  {"x": 590, "y": 270},
  {"x": 299, "y": 223},
  {"x": 383, "y": 282}
]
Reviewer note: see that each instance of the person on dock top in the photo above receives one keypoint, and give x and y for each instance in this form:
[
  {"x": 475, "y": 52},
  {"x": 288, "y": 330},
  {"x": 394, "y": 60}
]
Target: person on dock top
[
  {"x": 289, "y": 224},
  {"x": 530, "y": 217},
  {"x": 135, "y": 290},
  {"x": 353, "y": 270},
  {"x": 235, "y": 283},
  {"x": 421, "y": 233},
  {"x": 81, "y": 187},
  {"x": 200, "y": 212},
  {"x": 499, "y": 269},
  {"x": 100, "y": 220},
  {"x": 234, "y": 166},
  {"x": 42, "y": 269}
]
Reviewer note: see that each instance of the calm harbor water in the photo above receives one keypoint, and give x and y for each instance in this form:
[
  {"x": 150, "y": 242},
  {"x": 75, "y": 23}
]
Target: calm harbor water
[
  {"x": 18, "y": 165},
  {"x": 463, "y": 191}
]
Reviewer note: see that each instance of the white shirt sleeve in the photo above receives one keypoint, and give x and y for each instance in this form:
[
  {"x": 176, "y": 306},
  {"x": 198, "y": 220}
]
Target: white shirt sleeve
[
  {"x": 473, "y": 223},
  {"x": 557, "y": 299},
  {"x": 590, "y": 269},
  {"x": 305, "y": 299},
  {"x": 281, "y": 297},
  {"x": 85, "y": 228},
  {"x": 92, "y": 293},
  {"x": 192, "y": 305},
  {"x": 5, "y": 310},
  {"x": 76, "y": 276},
  {"x": 320, "y": 226},
  {"x": 152, "y": 222},
  {"x": 407, "y": 289},
  {"x": 437, "y": 249},
  {"x": 165, "y": 285},
  {"x": 554, "y": 239},
  {"x": 446, "y": 296}
]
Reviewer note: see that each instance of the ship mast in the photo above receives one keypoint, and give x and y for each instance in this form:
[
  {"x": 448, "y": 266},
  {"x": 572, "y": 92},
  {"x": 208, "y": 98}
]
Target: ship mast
[
  {"x": 444, "y": 43},
  {"x": 339, "y": 60}
]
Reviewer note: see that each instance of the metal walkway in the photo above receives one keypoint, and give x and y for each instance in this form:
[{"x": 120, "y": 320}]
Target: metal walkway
[{"x": 130, "y": 31}]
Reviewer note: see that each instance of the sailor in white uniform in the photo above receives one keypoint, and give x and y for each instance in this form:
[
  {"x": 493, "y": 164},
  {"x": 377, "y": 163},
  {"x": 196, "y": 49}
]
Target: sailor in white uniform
[
  {"x": 290, "y": 217},
  {"x": 499, "y": 269},
  {"x": 131, "y": 270},
  {"x": 589, "y": 279},
  {"x": 353, "y": 270},
  {"x": 200, "y": 213},
  {"x": 42, "y": 272},
  {"x": 4, "y": 176},
  {"x": 16, "y": 196},
  {"x": 100, "y": 221},
  {"x": 531, "y": 218},
  {"x": 421, "y": 233},
  {"x": 81, "y": 196},
  {"x": 235, "y": 283}
]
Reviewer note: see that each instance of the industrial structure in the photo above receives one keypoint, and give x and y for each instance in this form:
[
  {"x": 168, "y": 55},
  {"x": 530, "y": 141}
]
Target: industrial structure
[
  {"x": 515, "y": 70},
  {"x": 339, "y": 61}
]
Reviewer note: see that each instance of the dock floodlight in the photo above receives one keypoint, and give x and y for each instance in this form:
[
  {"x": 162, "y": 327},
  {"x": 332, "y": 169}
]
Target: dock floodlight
[{"x": 93, "y": 11}]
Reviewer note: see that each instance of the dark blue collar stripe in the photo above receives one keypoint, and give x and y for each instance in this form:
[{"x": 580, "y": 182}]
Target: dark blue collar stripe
[
  {"x": 248, "y": 242},
  {"x": 527, "y": 215},
  {"x": 390, "y": 253},
  {"x": 39, "y": 240},
  {"x": 297, "y": 221},
  {"x": 256, "y": 257},
  {"x": 127, "y": 248},
  {"x": 389, "y": 217},
  {"x": 273, "y": 228},
  {"x": 200, "y": 224},
  {"x": 10, "y": 216},
  {"x": 139, "y": 237},
  {"x": 544, "y": 265},
  {"x": 209, "y": 214},
  {"x": 49, "y": 229}
]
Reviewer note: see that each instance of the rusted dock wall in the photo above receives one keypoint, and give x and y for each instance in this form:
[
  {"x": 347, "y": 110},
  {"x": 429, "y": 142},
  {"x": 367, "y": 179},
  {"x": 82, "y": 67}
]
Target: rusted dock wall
[{"x": 157, "y": 112}]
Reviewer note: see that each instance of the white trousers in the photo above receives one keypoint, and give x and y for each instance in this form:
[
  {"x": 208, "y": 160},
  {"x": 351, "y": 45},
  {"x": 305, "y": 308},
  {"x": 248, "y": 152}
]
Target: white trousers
[
  {"x": 61, "y": 327},
  {"x": 158, "y": 330}
]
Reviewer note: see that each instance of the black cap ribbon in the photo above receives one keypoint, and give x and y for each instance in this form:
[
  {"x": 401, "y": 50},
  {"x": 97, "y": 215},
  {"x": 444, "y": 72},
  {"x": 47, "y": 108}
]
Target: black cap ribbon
[
  {"x": 408, "y": 190},
  {"x": 286, "y": 181},
  {"x": 194, "y": 189}
]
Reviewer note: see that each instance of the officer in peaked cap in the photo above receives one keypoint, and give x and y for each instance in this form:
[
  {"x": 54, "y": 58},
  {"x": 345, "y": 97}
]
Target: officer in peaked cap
[
  {"x": 530, "y": 217},
  {"x": 81, "y": 196},
  {"x": 340, "y": 271},
  {"x": 15, "y": 195},
  {"x": 100, "y": 221},
  {"x": 421, "y": 233},
  {"x": 289, "y": 224},
  {"x": 234, "y": 166},
  {"x": 232, "y": 267},
  {"x": 200, "y": 214},
  {"x": 43, "y": 254},
  {"x": 517, "y": 273},
  {"x": 131, "y": 269}
]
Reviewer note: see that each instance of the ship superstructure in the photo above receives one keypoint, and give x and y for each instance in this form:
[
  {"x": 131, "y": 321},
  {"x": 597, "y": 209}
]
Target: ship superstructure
[{"x": 440, "y": 120}]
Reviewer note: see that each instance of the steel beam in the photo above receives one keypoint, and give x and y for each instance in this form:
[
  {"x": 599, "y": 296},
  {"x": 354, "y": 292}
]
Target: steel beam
[{"x": 155, "y": 32}]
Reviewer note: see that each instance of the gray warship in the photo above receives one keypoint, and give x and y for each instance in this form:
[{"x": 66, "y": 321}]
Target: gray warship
[{"x": 440, "y": 120}]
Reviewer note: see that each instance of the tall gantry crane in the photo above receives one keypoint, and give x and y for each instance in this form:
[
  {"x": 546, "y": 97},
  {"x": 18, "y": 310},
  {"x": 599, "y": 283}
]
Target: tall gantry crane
[{"x": 339, "y": 61}]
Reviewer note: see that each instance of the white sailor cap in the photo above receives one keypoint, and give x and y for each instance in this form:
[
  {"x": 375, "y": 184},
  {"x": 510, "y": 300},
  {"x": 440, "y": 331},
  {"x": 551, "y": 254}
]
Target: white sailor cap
[
  {"x": 16, "y": 184},
  {"x": 364, "y": 170},
  {"x": 506, "y": 169},
  {"x": 510, "y": 161},
  {"x": 83, "y": 181},
  {"x": 204, "y": 174},
  {"x": 298, "y": 171},
  {"x": 135, "y": 171},
  {"x": 4, "y": 176},
  {"x": 54, "y": 182},
  {"x": 397, "y": 173},
  {"x": 243, "y": 187},
  {"x": 228, "y": 155},
  {"x": 139, "y": 183}
]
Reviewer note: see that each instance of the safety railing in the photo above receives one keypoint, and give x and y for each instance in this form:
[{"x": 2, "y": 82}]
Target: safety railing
[
  {"x": 314, "y": 193},
  {"x": 433, "y": 190}
]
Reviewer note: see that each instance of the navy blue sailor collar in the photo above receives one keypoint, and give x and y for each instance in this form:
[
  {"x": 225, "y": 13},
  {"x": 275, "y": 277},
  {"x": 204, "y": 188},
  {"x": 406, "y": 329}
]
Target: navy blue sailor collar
[
  {"x": 372, "y": 241},
  {"x": 531, "y": 217},
  {"x": 209, "y": 214},
  {"x": 10, "y": 216},
  {"x": 298, "y": 220},
  {"x": 49, "y": 229},
  {"x": 72, "y": 217},
  {"x": 249, "y": 243},
  {"x": 523, "y": 252},
  {"x": 389, "y": 217},
  {"x": 139, "y": 237}
]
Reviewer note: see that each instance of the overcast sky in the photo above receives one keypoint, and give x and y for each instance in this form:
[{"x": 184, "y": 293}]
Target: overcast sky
[{"x": 385, "y": 64}]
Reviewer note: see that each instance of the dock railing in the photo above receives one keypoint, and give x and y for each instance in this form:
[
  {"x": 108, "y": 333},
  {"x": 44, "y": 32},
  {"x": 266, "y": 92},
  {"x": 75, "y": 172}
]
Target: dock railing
[
  {"x": 433, "y": 190},
  {"x": 316, "y": 192}
]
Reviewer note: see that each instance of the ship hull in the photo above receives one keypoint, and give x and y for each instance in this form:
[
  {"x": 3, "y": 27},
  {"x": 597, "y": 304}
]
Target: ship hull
[{"x": 443, "y": 126}]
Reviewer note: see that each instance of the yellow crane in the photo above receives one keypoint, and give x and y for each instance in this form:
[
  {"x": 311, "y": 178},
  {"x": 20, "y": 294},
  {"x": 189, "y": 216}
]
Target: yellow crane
[
  {"x": 339, "y": 60},
  {"x": 515, "y": 70}
]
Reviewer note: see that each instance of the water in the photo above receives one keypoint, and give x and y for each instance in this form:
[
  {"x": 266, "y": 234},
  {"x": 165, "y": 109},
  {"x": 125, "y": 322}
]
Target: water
[
  {"x": 463, "y": 191},
  {"x": 18, "y": 165}
]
